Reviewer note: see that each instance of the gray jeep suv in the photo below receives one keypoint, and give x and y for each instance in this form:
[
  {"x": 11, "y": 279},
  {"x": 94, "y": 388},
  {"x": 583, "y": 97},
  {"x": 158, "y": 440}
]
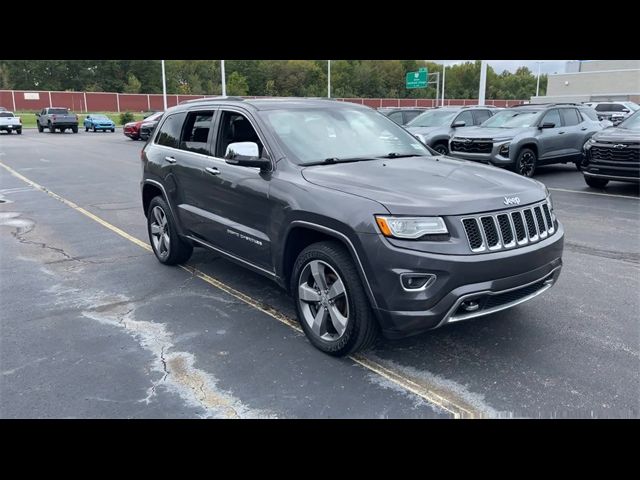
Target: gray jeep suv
[
  {"x": 360, "y": 222},
  {"x": 521, "y": 138},
  {"x": 435, "y": 127}
]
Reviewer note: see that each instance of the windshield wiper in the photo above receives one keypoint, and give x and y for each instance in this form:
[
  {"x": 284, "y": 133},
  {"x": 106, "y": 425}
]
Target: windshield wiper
[
  {"x": 399, "y": 155},
  {"x": 332, "y": 160}
]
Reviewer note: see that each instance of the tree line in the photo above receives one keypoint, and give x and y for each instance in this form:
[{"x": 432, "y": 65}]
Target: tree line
[{"x": 305, "y": 78}]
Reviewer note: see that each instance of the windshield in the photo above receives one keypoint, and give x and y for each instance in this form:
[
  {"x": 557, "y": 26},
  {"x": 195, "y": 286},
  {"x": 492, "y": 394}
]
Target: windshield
[
  {"x": 317, "y": 134},
  {"x": 100, "y": 117},
  {"x": 511, "y": 119},
  {"x": 631, "y": 106},
  {"x": 433, "y": 118},
  {"x": 631, "y": 123}
]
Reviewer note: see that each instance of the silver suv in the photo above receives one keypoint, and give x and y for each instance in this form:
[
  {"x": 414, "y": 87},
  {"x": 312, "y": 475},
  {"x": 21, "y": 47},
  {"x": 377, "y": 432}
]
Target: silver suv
[
  {"x": 435, "y": 127},
  {"x": 521, "y": 138}
]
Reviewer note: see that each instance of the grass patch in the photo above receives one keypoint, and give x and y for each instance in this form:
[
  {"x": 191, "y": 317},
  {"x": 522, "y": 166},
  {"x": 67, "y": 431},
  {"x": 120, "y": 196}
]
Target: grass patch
[{"x": 29, "y": 118}]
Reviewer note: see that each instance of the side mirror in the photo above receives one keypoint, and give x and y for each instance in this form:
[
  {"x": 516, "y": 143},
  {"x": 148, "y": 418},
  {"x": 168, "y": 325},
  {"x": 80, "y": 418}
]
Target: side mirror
[
  {"x": 37, "y": 114},
  {"x": 548, "y": 125},
  {"x": 245, "y": 154},
  {"x": 421, "y": 138},
  {"x": 457, "y": 124},
  {"x": 625, "y": 110}
]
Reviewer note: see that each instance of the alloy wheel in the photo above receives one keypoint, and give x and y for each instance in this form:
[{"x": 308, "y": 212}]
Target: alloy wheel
[
  {"x": 323, "y": 300},
  {"x": 527, "y": 164},
  {"x": 160, "y": 232}
]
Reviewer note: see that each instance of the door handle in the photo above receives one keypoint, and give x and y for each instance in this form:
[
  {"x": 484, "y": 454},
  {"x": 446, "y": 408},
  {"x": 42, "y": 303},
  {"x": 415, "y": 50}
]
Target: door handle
[
  {"x": 583, "y": 128},
  {"x": 170, "y": 159},
  {"x": 560, "y": 133},
  {"x": 212, "y": 170}
]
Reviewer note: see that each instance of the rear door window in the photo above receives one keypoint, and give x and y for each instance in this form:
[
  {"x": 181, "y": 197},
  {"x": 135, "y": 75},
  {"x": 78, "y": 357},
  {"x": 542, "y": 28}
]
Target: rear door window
[
  {"x": 411, "y": 114},
  {"x": 570, "y": 117},
  {"x": 396, "y": 117},
  {"x": 169, "y": 133},
  {"x": 196, "y": 134}
]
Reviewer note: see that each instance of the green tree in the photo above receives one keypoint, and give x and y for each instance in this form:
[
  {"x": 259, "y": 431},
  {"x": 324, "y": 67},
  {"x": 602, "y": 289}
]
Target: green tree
[
  {"x": 237, "y": 85},
  {"x": 133, "y": 84}
]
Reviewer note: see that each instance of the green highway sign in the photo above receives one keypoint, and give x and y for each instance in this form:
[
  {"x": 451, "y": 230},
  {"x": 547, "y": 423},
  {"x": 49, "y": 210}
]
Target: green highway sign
[{"x": 417, "y": 79}]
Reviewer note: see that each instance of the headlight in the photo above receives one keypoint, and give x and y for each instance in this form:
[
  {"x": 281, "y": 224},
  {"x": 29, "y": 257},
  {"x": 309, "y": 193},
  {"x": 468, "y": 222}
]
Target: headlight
[
  {"x": 410, "y": 227},
  {"x": 550, "y": 204},
  {"x": 504, "y": 150}
]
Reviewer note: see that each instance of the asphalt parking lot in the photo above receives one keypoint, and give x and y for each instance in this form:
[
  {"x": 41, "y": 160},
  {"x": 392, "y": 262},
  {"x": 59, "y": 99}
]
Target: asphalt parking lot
[{"x": 92, "y": 326}]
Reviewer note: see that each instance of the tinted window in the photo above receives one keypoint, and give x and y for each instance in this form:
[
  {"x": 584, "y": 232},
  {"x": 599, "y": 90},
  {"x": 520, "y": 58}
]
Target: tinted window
[
  {"x": 465, "y": 117},
  {"x": 195, "y": 134},
  {"x": 589, "y": 114},
  {"x": 58, "y": 111},
  {"x": 609, "y": 107},
  {"x": 552, "y": 116},
  {"x": 570, "y": 117},
  {"x": 411, "y": 114},
  {"x": 169, "y": 133},
  {"x": 6, "y": 114},
  {"x": 481, "y": 116},
  {"x": 396, "y": 117}
]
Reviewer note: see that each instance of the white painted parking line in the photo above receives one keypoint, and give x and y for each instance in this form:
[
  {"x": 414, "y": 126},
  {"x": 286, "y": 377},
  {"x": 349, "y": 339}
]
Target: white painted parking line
[
  {"x": 592, "y": 193},
  {"x": 443, "y": 400}
]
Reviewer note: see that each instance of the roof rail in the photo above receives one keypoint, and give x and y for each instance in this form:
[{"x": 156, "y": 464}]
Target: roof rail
[
  {"x": 551, "y": 104},
  {"x": 218, "y": 97}
]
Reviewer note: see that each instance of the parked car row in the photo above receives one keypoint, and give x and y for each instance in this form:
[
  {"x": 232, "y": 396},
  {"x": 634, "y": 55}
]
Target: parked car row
[
  {"x": 142, "y": 129},
  {"x": 523, "y": 137},
  {"x": 615, "y": 112}
]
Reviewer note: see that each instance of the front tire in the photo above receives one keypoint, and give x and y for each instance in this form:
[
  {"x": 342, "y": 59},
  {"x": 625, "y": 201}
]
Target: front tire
[
  {"x": 40, "y": 128},
  {"x": 167, "y": 245},
  {"x": 596, "y": 182},
  {"x": 526, "y": 162},
  {"x": 86, "y": 129},
  {"x": 332, "y": 306},
  {"x": 52, "y": 129},
  {"x": 441, "y": 148}
]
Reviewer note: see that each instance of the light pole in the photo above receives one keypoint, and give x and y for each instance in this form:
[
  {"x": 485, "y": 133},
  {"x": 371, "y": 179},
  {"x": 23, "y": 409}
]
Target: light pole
[
  {"x": 164, "y": 87},
  {"x": 329, "y": 79},
  {"x": 224, "y": 80},
  {"x": 538, "y": 81},
  {"x": 444, "y": 73},
  {"x": 483, "y": 82}
]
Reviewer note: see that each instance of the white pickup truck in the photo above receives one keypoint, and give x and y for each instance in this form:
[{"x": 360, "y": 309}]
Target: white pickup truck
[{"x": 9, "y": 122}]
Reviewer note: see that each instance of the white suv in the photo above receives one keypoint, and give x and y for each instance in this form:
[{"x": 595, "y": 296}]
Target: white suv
[{"x": 616, "y": 112}]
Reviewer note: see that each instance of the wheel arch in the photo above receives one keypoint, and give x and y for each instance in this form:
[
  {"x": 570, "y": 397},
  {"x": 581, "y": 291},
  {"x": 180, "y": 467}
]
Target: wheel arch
[{"x": 302, "y": 233}]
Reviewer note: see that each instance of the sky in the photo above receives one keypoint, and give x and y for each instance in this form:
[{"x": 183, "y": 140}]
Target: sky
[{"x": 548, "y": 66}]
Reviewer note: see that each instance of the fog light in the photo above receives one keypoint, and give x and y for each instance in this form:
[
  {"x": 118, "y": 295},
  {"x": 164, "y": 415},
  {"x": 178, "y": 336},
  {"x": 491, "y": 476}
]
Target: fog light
[
  {"x": 416, "y": 281},
  {"x": 470, "y": 306}
]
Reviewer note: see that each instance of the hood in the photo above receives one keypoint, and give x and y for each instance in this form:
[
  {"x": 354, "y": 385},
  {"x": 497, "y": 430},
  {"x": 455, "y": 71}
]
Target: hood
[
  {"x": 427, "y": 185},
  {"x": 617, "y": 134},
  {"x": 486, "y": 132}
]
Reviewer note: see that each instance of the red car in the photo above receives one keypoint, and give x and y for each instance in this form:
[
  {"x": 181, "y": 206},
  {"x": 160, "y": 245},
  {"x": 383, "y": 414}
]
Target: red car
[{"x": 132, "y": 129}]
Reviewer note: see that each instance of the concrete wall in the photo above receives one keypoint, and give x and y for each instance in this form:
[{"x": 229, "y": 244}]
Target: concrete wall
[
  {"x": 599, "y": 65},
  {"x": 595, "y": 83}
]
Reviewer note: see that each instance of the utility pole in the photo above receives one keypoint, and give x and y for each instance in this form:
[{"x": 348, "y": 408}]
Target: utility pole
[
  {"x": 329, "y": 79},
  {"x": 224, "y": 80},
  {"x": 164, "y": 87},
  {"x": 483, "y": 82},
  {"x": 437, "y": 87}
]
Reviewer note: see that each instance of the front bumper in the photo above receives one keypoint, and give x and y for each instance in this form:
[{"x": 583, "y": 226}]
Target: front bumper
[
  {"x": 494, "y": 281},
  {"x": 103, "y": 127},
  {"x": 609, "y": 163}
]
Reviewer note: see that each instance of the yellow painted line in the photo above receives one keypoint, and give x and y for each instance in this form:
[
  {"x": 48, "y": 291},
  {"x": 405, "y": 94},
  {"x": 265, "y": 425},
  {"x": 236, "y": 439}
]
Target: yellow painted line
[
  {"x": 592, "y": 193},
  {"x": 455, "y": 408}
]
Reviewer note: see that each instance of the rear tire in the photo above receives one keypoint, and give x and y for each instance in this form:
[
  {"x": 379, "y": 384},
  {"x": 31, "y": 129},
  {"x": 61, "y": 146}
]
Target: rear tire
[
  {"x": 346, "y": 323},
  {"x": 52, "y": 129},
  {"x": 74, "y": 129},
  {"x": 95, "y": 129},
  {"x": 19, "y": 131},
  {"x": 596, "y": 182},
  {"x": 526, "y": 163},
  {"x": 86, "y": 129},
  {"x": 167, "y": 245}
]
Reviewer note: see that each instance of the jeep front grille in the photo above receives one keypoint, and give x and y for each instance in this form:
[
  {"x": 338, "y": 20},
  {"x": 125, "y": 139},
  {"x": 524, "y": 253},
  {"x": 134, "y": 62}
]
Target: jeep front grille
[{"x": 509, "y": 228}]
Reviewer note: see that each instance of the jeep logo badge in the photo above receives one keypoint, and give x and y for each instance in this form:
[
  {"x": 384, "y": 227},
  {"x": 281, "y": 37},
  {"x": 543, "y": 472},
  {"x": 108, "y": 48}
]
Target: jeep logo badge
[{"x": 511, "y": 201}]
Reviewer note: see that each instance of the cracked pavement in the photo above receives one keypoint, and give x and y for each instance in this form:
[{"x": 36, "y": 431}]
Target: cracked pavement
[{"x": 92, "y": 326}]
